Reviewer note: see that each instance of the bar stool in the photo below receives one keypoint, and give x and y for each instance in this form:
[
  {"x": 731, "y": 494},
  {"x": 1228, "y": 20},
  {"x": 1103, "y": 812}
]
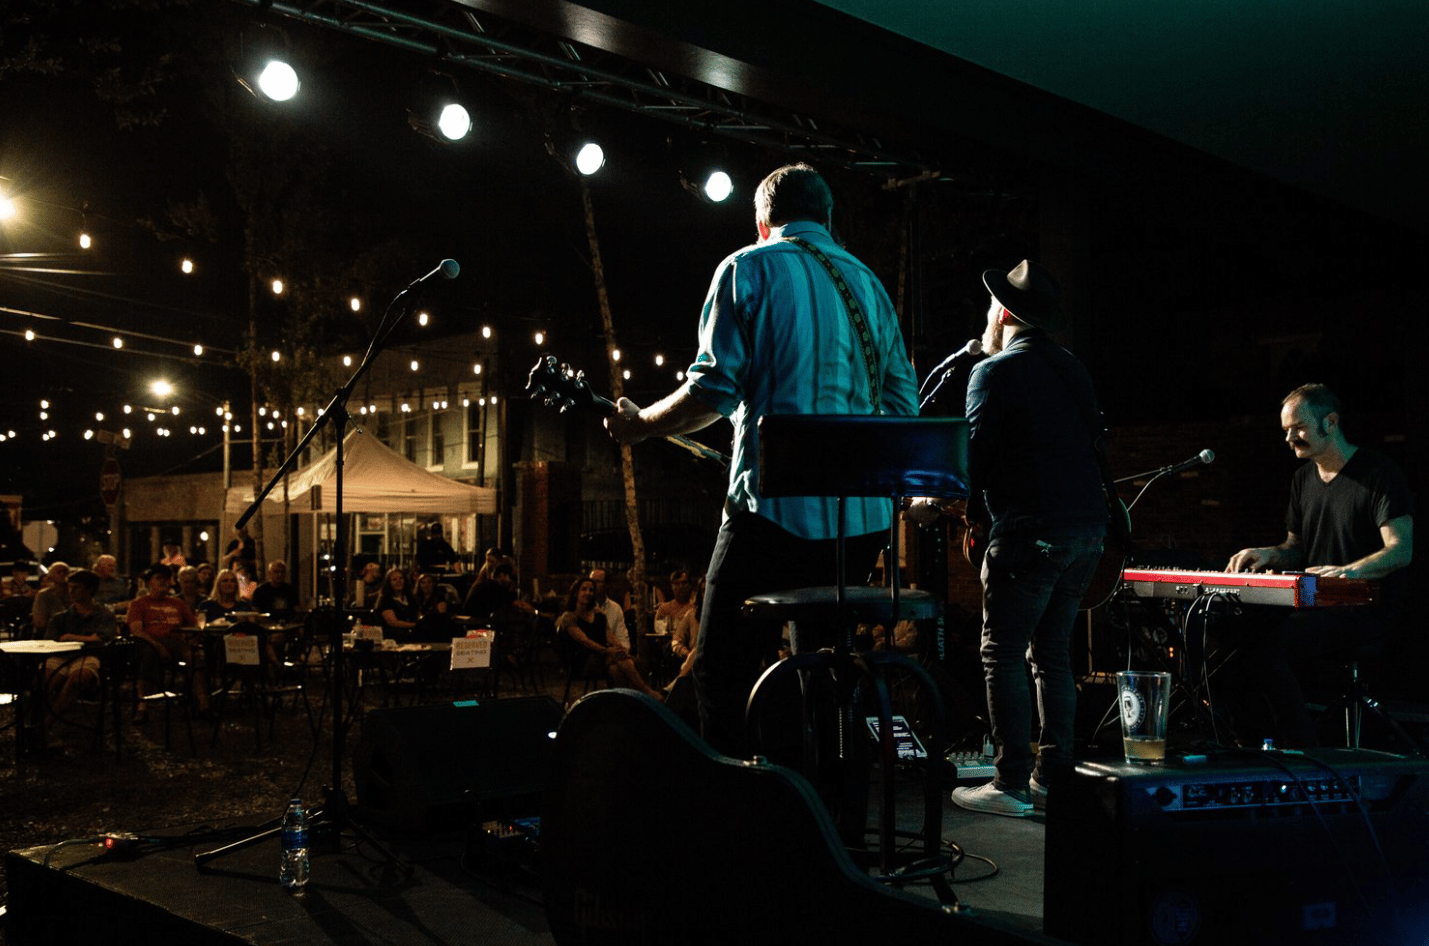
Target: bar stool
[{"x": 843, "y": 457}]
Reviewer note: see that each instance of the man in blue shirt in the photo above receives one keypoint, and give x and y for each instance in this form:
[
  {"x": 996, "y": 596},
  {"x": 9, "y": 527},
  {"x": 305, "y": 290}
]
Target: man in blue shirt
[
  {"x": 776, "y": 338},
  {"x": 1033, "y": 421}
]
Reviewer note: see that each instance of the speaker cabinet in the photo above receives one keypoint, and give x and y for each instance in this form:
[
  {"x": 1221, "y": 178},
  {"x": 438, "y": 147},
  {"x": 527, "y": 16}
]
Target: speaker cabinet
[
  {"x": 1251, "y": 848},
  {"x": 417, "y": 764}
]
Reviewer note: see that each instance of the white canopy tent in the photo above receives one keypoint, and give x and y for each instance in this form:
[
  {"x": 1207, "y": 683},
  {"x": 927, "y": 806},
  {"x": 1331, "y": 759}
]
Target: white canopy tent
[{"x": 375, "y": 478}]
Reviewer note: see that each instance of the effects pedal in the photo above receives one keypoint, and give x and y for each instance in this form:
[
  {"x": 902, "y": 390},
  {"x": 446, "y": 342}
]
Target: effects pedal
[{"x": 973, "y": 765}]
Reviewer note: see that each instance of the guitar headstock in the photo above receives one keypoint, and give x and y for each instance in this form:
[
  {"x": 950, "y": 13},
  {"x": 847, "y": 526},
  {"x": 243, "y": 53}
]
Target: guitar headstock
[{"x": 556, "y": 384}]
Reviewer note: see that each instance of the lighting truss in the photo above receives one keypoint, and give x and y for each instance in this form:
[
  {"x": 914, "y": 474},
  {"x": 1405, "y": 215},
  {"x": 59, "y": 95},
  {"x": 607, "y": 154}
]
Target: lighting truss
[{"x": 459, "y": 36}]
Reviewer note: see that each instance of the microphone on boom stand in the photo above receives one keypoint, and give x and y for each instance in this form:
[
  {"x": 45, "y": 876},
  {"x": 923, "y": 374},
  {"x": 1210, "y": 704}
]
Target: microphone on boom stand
[{"x": 945, "y": 369}]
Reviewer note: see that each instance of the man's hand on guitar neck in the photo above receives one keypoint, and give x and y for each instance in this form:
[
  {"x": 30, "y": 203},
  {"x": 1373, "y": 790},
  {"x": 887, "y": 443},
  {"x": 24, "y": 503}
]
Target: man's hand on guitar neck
[
  {"x": 624, "y": 423},
  {"x": 677, "y": 413}
]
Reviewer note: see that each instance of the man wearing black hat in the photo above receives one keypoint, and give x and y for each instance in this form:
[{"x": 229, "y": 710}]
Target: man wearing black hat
[{"x": 1033, "y": 419}]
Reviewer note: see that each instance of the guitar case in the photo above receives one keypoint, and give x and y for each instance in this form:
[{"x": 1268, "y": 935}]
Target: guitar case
[{"x": 649, "y": 836}]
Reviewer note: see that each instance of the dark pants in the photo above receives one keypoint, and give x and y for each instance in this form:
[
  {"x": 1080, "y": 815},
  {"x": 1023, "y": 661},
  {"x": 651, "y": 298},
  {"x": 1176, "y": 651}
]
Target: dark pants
[
  {"x": 1033, "y": 583},
  {"x": 752, "y": 556}
]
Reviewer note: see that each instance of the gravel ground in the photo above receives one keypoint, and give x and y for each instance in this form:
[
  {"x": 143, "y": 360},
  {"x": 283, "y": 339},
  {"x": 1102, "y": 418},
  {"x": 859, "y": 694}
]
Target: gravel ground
[{"x": 76, "y": 790}]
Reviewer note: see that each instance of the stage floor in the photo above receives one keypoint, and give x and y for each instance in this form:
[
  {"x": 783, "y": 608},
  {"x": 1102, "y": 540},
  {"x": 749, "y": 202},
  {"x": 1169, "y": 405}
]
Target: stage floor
[{"x": 432, "y": 896}]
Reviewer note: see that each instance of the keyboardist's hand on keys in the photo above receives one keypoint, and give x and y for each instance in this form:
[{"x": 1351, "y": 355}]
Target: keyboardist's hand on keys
[{"x": 1251, "y": 560}]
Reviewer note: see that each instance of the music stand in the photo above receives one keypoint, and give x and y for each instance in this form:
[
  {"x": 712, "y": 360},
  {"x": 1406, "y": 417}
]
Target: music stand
[{"x": 335, "y": 809}]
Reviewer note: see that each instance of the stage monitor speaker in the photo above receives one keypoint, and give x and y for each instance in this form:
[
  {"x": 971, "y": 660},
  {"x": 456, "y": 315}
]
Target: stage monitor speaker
[
  {"x": 416, "y": 764},
  {"x": 1253, "y": 848}
]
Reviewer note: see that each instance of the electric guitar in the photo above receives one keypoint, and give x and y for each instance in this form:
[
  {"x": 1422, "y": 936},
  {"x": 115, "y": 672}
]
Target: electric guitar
[{"x": 556, "y": 384}]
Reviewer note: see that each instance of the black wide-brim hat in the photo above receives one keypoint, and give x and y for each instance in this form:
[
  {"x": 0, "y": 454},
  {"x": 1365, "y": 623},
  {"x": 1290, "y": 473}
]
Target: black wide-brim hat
[{"x": 1030, "y": 293}]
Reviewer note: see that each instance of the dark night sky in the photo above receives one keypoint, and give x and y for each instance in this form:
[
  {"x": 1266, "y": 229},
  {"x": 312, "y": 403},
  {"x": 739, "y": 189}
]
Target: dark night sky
[{"x": 1195, "y": 297}]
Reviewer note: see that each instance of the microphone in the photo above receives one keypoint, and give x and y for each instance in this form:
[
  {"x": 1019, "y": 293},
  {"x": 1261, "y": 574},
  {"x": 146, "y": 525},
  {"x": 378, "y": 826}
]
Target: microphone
[
  {"x": 1205, "y": 456},
  {"x": 973, "y": 347},
  {"x": 446, "y": 269}
]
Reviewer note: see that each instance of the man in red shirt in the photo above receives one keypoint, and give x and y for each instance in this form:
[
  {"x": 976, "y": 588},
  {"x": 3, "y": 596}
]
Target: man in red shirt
[{"x": 154, "y": 619}]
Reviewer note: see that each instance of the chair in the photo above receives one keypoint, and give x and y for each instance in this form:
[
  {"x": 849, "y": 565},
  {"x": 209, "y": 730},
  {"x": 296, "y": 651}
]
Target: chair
[
  {"x": 120, "y": 674},
  {"x": 276, "y": 675},
  {"x": 845, "y": 456}
]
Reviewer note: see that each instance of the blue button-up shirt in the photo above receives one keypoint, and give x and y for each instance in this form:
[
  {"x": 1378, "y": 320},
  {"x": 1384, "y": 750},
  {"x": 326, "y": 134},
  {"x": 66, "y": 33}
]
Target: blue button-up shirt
[{"x": 775, "y": 338}]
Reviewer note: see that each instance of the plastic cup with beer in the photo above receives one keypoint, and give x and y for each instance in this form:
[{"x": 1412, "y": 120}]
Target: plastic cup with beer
[{"x": 1144, "y": 696}]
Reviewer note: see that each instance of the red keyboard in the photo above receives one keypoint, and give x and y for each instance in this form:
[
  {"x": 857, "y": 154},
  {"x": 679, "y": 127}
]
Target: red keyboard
[{"x": 1292, "y": 590}]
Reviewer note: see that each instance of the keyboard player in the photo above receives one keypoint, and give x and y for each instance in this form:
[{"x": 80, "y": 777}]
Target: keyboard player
[{"x": 1350, "y": 516}]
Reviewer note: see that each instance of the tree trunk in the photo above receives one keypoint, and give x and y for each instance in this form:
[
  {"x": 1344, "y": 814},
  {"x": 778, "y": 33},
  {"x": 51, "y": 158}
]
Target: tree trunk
[{"x": 617, "y": 391}]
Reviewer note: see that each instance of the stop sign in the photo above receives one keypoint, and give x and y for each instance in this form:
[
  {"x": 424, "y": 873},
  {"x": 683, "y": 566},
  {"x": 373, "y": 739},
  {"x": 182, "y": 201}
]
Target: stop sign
[{"x": 109, "y": 482}]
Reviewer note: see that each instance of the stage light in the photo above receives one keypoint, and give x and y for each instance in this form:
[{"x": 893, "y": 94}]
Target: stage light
[
  {"x": 718, "y": 186},
  {"x": 264, "y": 67},
  {"x": 454, "y": 122},
  {"x": 437, "y": 111},
  {"x": 590, "y": 158}
]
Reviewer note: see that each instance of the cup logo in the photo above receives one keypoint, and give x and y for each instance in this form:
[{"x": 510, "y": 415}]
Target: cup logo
[{"x": 1133, "y": 709}]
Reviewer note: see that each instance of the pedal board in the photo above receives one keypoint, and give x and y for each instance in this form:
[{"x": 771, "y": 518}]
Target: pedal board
[{"x": 973, "y": 765}]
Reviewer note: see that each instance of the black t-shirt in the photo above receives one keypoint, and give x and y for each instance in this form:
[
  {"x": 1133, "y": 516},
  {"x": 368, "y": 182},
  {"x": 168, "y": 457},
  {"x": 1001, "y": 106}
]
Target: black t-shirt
[
  {"x": 1338, "y": 522},
  {"x": 280, "y": 599}
]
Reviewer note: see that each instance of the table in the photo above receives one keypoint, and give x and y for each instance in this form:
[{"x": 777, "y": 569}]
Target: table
[
  {"x": 25, "y": 663},
  {"x": 262, "y": 680}
]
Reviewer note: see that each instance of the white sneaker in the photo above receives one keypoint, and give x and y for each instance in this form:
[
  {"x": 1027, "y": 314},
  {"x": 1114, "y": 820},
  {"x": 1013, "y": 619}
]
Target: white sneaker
[
  {"x": 1038, "y": 791},
  {"x": 991, "y": 800}
]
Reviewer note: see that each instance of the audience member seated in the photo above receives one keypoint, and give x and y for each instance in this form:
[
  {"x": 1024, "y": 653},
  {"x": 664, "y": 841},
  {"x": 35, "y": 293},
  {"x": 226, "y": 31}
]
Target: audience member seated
[
  {"x": 17, "y": 583},
  {"x": 155, "y": 619},
  {"x": 436, "y": 603},
  {"x": 206, "y": 573},
  {"x": 113, "y": 590},
  {"x": 614, "y": 613},
  {"x": 494, "y": 557},
  {"x": 587, "y": 632},
  {"x": 396, "y": 611},
  {"x": 434, "y": 552},
  {"x": 492, "y": 594},
  {"x": 364, "y": 590},
  {"x": 70, "y": 677},
  {"x": 173, "y": 557},
  {"x": 276, "y": 596},
  {"x": 224, "y": 600},
  {"x": 53, "y": 597},
  {"x": 188, "y": 589},
  {"x": 681, "y": 620},
  {"x": 246, "y": 584}
]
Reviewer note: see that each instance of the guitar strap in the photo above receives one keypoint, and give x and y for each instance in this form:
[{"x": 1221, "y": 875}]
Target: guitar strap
[
  {"x": 1116, "y": 509},
  {"x": 855, "y": 316}
]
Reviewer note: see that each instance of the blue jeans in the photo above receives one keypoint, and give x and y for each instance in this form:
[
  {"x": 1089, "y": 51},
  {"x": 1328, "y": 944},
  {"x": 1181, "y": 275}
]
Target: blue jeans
[{"x": 1032, "y": 584}]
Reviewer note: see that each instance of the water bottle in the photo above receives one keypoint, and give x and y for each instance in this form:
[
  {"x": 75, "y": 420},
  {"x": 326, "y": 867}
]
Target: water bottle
[{"x": 293, "y": 870}]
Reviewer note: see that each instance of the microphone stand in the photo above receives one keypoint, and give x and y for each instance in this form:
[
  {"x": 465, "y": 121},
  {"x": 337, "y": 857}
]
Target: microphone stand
[{"x": 335, "y": 810}]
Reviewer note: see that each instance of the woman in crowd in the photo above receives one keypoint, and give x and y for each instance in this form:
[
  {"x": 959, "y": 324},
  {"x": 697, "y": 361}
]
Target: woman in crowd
[
  {"x": 433, "y": 599},
  {"x": 585, "y": 631},
  {"x": 206, "y": 572},
  {"x": 394, "y": 607},
  {"x": 224, "y": 600}
]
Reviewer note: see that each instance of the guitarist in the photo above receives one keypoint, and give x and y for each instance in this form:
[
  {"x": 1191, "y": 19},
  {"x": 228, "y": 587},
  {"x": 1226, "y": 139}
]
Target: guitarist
[
  {"x": 1033, "y": 423},
  {"x": 793, "y": 324}
]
